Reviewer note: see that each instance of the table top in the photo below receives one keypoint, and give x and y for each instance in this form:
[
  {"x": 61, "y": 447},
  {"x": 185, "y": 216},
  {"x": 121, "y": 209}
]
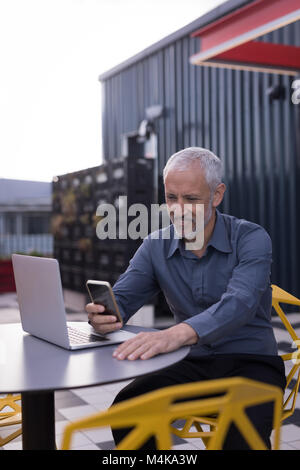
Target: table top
[{"x": 30, "y": 364}]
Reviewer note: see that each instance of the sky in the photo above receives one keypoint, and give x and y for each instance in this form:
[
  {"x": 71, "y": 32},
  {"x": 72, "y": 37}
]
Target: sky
[{"x": 51, "y": 55}]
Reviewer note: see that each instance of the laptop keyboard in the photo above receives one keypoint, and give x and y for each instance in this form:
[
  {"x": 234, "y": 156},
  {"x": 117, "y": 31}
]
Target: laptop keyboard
[{"x": 77, "y": 336}]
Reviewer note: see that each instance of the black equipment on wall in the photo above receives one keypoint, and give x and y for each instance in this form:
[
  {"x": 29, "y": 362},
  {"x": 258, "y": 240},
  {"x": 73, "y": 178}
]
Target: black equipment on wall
[{"x": 76, "y": 196}]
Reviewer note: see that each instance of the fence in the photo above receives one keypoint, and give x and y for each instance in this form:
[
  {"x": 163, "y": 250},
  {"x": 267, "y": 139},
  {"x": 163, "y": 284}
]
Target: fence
[{"x": 42, "y": 243}]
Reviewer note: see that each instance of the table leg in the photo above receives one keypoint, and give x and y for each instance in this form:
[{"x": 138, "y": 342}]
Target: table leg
[{"x": 38, "y": 420}]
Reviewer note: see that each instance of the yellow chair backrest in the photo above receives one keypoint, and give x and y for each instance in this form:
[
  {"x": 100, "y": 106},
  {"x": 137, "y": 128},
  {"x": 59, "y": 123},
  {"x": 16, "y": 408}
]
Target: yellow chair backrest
[
  {"x": 11, "y": 417},
  {"x": 280, "y": 296},
  {"x": 153, "y": 413}
]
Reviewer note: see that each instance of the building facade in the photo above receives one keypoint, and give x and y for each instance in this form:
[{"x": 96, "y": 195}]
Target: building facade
[
  {"x": 248, "y": 118},
  {"x": 25, "y": 213}
]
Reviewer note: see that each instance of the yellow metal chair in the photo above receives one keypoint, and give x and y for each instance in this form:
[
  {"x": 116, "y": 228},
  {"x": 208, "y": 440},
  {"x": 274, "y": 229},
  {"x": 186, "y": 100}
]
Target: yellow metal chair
[
  {"x": 153, "y": 413},
  {"x": 9, "y": 418},
  {"x": 278, "y": 296},
  {"x": 281, "y": 296}
]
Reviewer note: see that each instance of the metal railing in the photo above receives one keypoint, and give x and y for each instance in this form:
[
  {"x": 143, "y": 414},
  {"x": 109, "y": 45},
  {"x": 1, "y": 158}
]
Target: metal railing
[{"x": 41, "y": 243}]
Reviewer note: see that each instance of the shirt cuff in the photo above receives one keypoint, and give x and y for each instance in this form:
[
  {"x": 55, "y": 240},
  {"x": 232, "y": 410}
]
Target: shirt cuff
[
  {"x": 206, "y": 327},
  {"x": 125, "y": 317}
]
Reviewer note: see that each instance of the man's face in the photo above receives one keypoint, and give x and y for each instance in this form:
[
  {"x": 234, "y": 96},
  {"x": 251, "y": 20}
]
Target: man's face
[{"x": 187, "y": 194}]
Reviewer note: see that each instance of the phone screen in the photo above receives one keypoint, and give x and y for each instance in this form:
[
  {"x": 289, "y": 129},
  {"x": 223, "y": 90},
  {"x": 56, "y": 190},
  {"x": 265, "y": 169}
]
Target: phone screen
[{"x": 101, "y": 295}]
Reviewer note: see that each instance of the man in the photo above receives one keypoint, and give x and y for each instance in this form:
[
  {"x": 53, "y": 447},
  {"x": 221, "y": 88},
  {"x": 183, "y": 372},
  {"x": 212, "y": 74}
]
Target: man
[{"x": 219, "y": 293}]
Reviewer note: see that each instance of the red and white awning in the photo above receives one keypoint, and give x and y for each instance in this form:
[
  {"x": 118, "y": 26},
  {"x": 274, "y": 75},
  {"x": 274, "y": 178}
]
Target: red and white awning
[{"x": 229, "y": 41}]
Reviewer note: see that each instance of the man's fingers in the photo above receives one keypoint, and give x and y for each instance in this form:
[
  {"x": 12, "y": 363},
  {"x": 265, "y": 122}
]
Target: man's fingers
[
  {"x": 142, "y": 352},
  {"x": 108, "y": 328},
  {"x": 101, "y": 319},
  {"x": 142, "y": 346},
  {"x": 129, "y": 345},
  {"x": 127, "y": 349},
  {"x": 150, "y": 353},
  {"x": 94, "y": 308},
  {"x": 145, "y": 351}
]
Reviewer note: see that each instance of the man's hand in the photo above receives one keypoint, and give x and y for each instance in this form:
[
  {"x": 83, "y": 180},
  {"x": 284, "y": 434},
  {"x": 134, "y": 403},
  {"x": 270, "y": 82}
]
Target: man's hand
[
  {"x": 102, "y": 324},
  {"x": 147, "y": 345}
]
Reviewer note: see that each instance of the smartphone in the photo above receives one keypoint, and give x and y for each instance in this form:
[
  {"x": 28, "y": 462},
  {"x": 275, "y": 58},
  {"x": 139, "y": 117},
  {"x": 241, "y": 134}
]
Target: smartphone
[{"x": 101, "y": 293}]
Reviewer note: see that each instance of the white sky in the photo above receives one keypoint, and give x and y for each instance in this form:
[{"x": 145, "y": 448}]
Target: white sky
[{"x": 51, "y": 54}]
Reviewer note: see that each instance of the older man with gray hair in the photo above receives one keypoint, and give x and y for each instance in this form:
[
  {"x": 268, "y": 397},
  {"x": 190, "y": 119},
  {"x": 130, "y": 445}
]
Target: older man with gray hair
[{"x": 218, "y": 291}]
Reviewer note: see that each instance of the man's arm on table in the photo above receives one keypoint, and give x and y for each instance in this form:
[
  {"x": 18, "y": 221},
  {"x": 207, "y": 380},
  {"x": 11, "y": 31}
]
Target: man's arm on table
[
  {"x": 132, "y": 290},
  {"x": 236, "y": 307}
]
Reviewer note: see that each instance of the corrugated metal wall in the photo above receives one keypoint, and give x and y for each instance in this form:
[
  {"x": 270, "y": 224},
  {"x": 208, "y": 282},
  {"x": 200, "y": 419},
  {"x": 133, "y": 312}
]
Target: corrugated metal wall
[{"x": 229, "y": 112}]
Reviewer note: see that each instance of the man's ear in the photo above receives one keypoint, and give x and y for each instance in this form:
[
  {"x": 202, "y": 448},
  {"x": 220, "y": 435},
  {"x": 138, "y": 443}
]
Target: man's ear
[{"x": 219, "y": 194}]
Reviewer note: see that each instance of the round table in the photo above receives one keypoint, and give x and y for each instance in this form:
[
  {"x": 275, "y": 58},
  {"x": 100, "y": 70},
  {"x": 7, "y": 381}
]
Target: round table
[{"x": 36, "y": 368}]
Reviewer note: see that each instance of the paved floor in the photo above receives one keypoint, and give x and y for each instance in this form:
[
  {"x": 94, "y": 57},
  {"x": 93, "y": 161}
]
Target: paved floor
[{"x": 73, "y": 404}]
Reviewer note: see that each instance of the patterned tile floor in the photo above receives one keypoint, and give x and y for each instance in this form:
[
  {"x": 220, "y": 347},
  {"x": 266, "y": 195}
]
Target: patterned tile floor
[{"x": 73, "y": 404}]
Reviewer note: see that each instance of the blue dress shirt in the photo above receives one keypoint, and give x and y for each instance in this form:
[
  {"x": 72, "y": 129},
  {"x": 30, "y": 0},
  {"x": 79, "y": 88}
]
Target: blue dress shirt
[{"x": 225, "y": 295}]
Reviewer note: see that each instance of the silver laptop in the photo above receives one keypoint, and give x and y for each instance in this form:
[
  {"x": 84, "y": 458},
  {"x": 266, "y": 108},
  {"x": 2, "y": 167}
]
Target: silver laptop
[{"x": 43, "y": 314}]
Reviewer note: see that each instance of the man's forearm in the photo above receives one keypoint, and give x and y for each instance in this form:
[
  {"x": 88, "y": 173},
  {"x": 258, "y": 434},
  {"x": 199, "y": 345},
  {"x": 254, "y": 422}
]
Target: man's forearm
[
  {"x": 184, "y": 333},
  {"x": 148, "y": 344}
]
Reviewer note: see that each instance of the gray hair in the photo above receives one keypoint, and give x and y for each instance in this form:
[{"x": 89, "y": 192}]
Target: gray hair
[{"x": 208, "y": 161}]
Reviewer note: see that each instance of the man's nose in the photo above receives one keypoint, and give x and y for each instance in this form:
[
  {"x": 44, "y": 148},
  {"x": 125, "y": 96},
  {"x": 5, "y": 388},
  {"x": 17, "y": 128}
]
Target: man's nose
[
  {"x": 180, "y": 205},
  {"x": 181, "y": 208}
]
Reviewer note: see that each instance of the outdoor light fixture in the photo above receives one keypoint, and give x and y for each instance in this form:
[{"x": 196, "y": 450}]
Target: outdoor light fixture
[
  {"x": 276, "y": 92},
  {"x": 154, "y": 112},
  {"x": 146, "y": 127}
]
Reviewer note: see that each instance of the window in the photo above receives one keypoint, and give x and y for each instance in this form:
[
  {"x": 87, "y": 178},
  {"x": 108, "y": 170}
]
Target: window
[
  {"x": 35, "y": 224},
  {"x": 10, "y": 224}
]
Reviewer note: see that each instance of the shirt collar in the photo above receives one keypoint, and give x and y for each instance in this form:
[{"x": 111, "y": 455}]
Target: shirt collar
[
  {"x": 218, "y": 240},
  {"x": 174, "y": 245}
]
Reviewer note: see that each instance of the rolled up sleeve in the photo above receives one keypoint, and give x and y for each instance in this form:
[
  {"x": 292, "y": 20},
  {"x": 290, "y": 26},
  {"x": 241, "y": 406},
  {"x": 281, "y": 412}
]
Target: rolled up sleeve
[{"x": 239, "y": 303}]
